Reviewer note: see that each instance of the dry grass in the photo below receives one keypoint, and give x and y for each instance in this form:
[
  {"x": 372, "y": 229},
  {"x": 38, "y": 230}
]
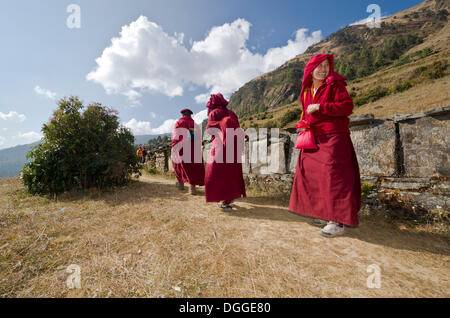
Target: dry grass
[{"x": 145, "y": 239}]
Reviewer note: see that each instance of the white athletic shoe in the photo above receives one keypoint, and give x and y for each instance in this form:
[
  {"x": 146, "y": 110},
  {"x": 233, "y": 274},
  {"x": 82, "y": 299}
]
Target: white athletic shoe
[
  {"x": 332, "y": 229},
  {"x": 226, "y": 207},
  {"x": 319, "y": 222}
]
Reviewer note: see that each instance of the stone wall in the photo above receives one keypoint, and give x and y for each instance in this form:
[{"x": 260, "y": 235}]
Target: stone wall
[{"x": 405, "y": 159}]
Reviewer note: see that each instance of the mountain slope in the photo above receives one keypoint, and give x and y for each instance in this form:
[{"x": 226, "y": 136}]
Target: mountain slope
[
  {"x": 13, "y": 159},
  {"x": 399, "y": 57}
]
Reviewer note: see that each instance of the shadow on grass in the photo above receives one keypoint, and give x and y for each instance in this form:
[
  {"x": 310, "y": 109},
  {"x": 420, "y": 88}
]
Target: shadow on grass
[
  {"x": 135, "y": 191},
  {"x": 372, "y": 229}
]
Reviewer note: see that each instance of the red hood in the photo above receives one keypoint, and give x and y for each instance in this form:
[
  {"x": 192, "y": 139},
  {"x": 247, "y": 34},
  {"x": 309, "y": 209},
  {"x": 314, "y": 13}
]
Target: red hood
[{"x": 313, "y": 63}]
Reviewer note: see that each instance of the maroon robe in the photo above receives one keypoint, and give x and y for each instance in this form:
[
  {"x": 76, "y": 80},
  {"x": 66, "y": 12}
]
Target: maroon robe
[
  {"x": 223, "y": 181},
  {"x": 327, "y": 181},
  {"x": 188, "y": 172}
]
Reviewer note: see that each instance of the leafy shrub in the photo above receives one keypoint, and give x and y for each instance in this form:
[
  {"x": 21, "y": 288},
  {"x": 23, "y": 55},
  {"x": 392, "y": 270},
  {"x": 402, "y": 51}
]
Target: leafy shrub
[
  {"x": 433, "y": 71},
  {"x": 442, "y": 14},
  {"x": 438, "y": 69},
  {"x": 371, "y": 96},
  {"x": 262, "y": 116},
  {"x": 425, "y": 52},
  {"x": 80, "y": 150},
  {"x": 401, "y": 61},
  {"x": 152, "y": 170},
  {"x": 270, "y": 124},
  {"x": 366, "y": 188},
  {"x": 289, "y": 116},
  {"x": 402, "y": 86}
]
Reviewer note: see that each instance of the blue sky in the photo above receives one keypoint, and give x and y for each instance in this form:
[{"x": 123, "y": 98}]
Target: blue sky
[{"x": 170, "y": 55}]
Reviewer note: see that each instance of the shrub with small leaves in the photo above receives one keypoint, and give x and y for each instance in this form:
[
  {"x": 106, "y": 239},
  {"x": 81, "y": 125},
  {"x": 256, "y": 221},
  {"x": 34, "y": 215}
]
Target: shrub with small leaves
[{"x": 80, "y": 150}]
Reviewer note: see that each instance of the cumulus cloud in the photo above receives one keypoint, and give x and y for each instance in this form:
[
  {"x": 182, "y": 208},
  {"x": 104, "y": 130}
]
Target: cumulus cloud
[
  {"x": 200, "y": 116},
  {"x": 30, "y": 136},
  {"x": 45, "y": 92},
  {"x": 145, "y": 58},
  {"x": 13, "y": 116},
  {"x": 145, "y": 127}
]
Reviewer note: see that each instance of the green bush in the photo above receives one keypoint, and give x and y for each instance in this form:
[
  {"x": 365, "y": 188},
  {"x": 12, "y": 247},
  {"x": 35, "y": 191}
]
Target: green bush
[
  {"x": 401, "y": 61},
  {"x": 433, "y": 71},
  {"x": 366, "y": 188},
  {"x": 371, "y": 96},
  {"x": 425, "y": 52},
  {"x": 262, "y": 116},
  {"x": 152, "y": 170},
  {"x": 80, "y": 150},
  {"x": 289, "y": 116},
  {"x": 402, "y": 86},
  {"x": 437, "y": 70},
  {"x": 270, "y": 124}
]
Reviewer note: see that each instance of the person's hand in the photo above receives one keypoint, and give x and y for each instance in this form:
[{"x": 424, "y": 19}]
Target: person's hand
[{"x": 312, "y": 108}]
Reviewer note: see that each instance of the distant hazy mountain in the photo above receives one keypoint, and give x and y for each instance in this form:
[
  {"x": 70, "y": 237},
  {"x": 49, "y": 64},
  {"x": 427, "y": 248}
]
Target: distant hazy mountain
[{"x": 13, "y": 159}]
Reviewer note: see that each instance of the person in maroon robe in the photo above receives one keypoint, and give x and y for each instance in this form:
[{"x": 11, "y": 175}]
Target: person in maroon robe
[
  {"x": 224, "y": 180},
  {"x": 187, "y": 159},
  {"x": 327, "y": 181}
]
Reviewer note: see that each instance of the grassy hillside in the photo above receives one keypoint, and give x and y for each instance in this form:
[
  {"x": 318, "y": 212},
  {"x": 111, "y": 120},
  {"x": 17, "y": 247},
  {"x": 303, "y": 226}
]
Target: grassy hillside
[{"x": 391, "y": 70}]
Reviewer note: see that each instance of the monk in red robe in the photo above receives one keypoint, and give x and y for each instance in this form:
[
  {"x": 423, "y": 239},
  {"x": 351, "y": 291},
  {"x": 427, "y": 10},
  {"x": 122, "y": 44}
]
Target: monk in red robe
[
  {"x": 327, "y": 182},
  {"x": 187, "y": 159},
  {"x": 224, "y": 180}
]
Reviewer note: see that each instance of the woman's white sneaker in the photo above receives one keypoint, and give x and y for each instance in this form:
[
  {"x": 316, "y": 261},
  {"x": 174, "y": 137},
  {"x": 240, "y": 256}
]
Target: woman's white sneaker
[{"x": 332, "y": 229}]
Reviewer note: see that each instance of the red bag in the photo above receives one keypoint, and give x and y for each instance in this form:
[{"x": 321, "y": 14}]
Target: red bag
[{"x": 305, "y": 140}]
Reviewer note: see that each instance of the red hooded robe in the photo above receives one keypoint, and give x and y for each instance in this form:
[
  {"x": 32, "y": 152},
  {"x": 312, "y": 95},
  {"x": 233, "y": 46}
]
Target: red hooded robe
[
  {"x": 327, "y": 181},
  {"x": 223, "y": 181},
  {"x": 188, "y": 172}
]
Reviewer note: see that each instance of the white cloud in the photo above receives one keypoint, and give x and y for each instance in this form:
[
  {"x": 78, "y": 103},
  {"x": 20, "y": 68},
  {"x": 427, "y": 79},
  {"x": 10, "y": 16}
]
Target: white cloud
[
  {"x": 30, "y": 136},
  {"x": 14, "y": 116},
  {"x": 145, "y": 58},
  {"x": 166, "y": 127},
  {"x": 2, "y": 140},
  {"x": 200, "y": 116},
  {"x": 145, "y": 127},
  {"x": 153, "y": 115},
  {"x": 45, "y": 92},
  {"x": 139, "y": 127}
]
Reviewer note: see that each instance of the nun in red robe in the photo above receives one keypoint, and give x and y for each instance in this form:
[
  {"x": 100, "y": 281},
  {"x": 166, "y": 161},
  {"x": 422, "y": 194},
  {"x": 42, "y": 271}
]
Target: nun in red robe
[
  {"x": 327, "y": 181},
  {"x": 224, "y": 180},
  {"x": 187, "y": 137}
]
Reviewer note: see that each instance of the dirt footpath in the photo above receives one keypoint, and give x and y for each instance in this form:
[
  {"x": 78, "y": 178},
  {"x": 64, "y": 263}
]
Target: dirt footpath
[{"x": 150, "y": 240}]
